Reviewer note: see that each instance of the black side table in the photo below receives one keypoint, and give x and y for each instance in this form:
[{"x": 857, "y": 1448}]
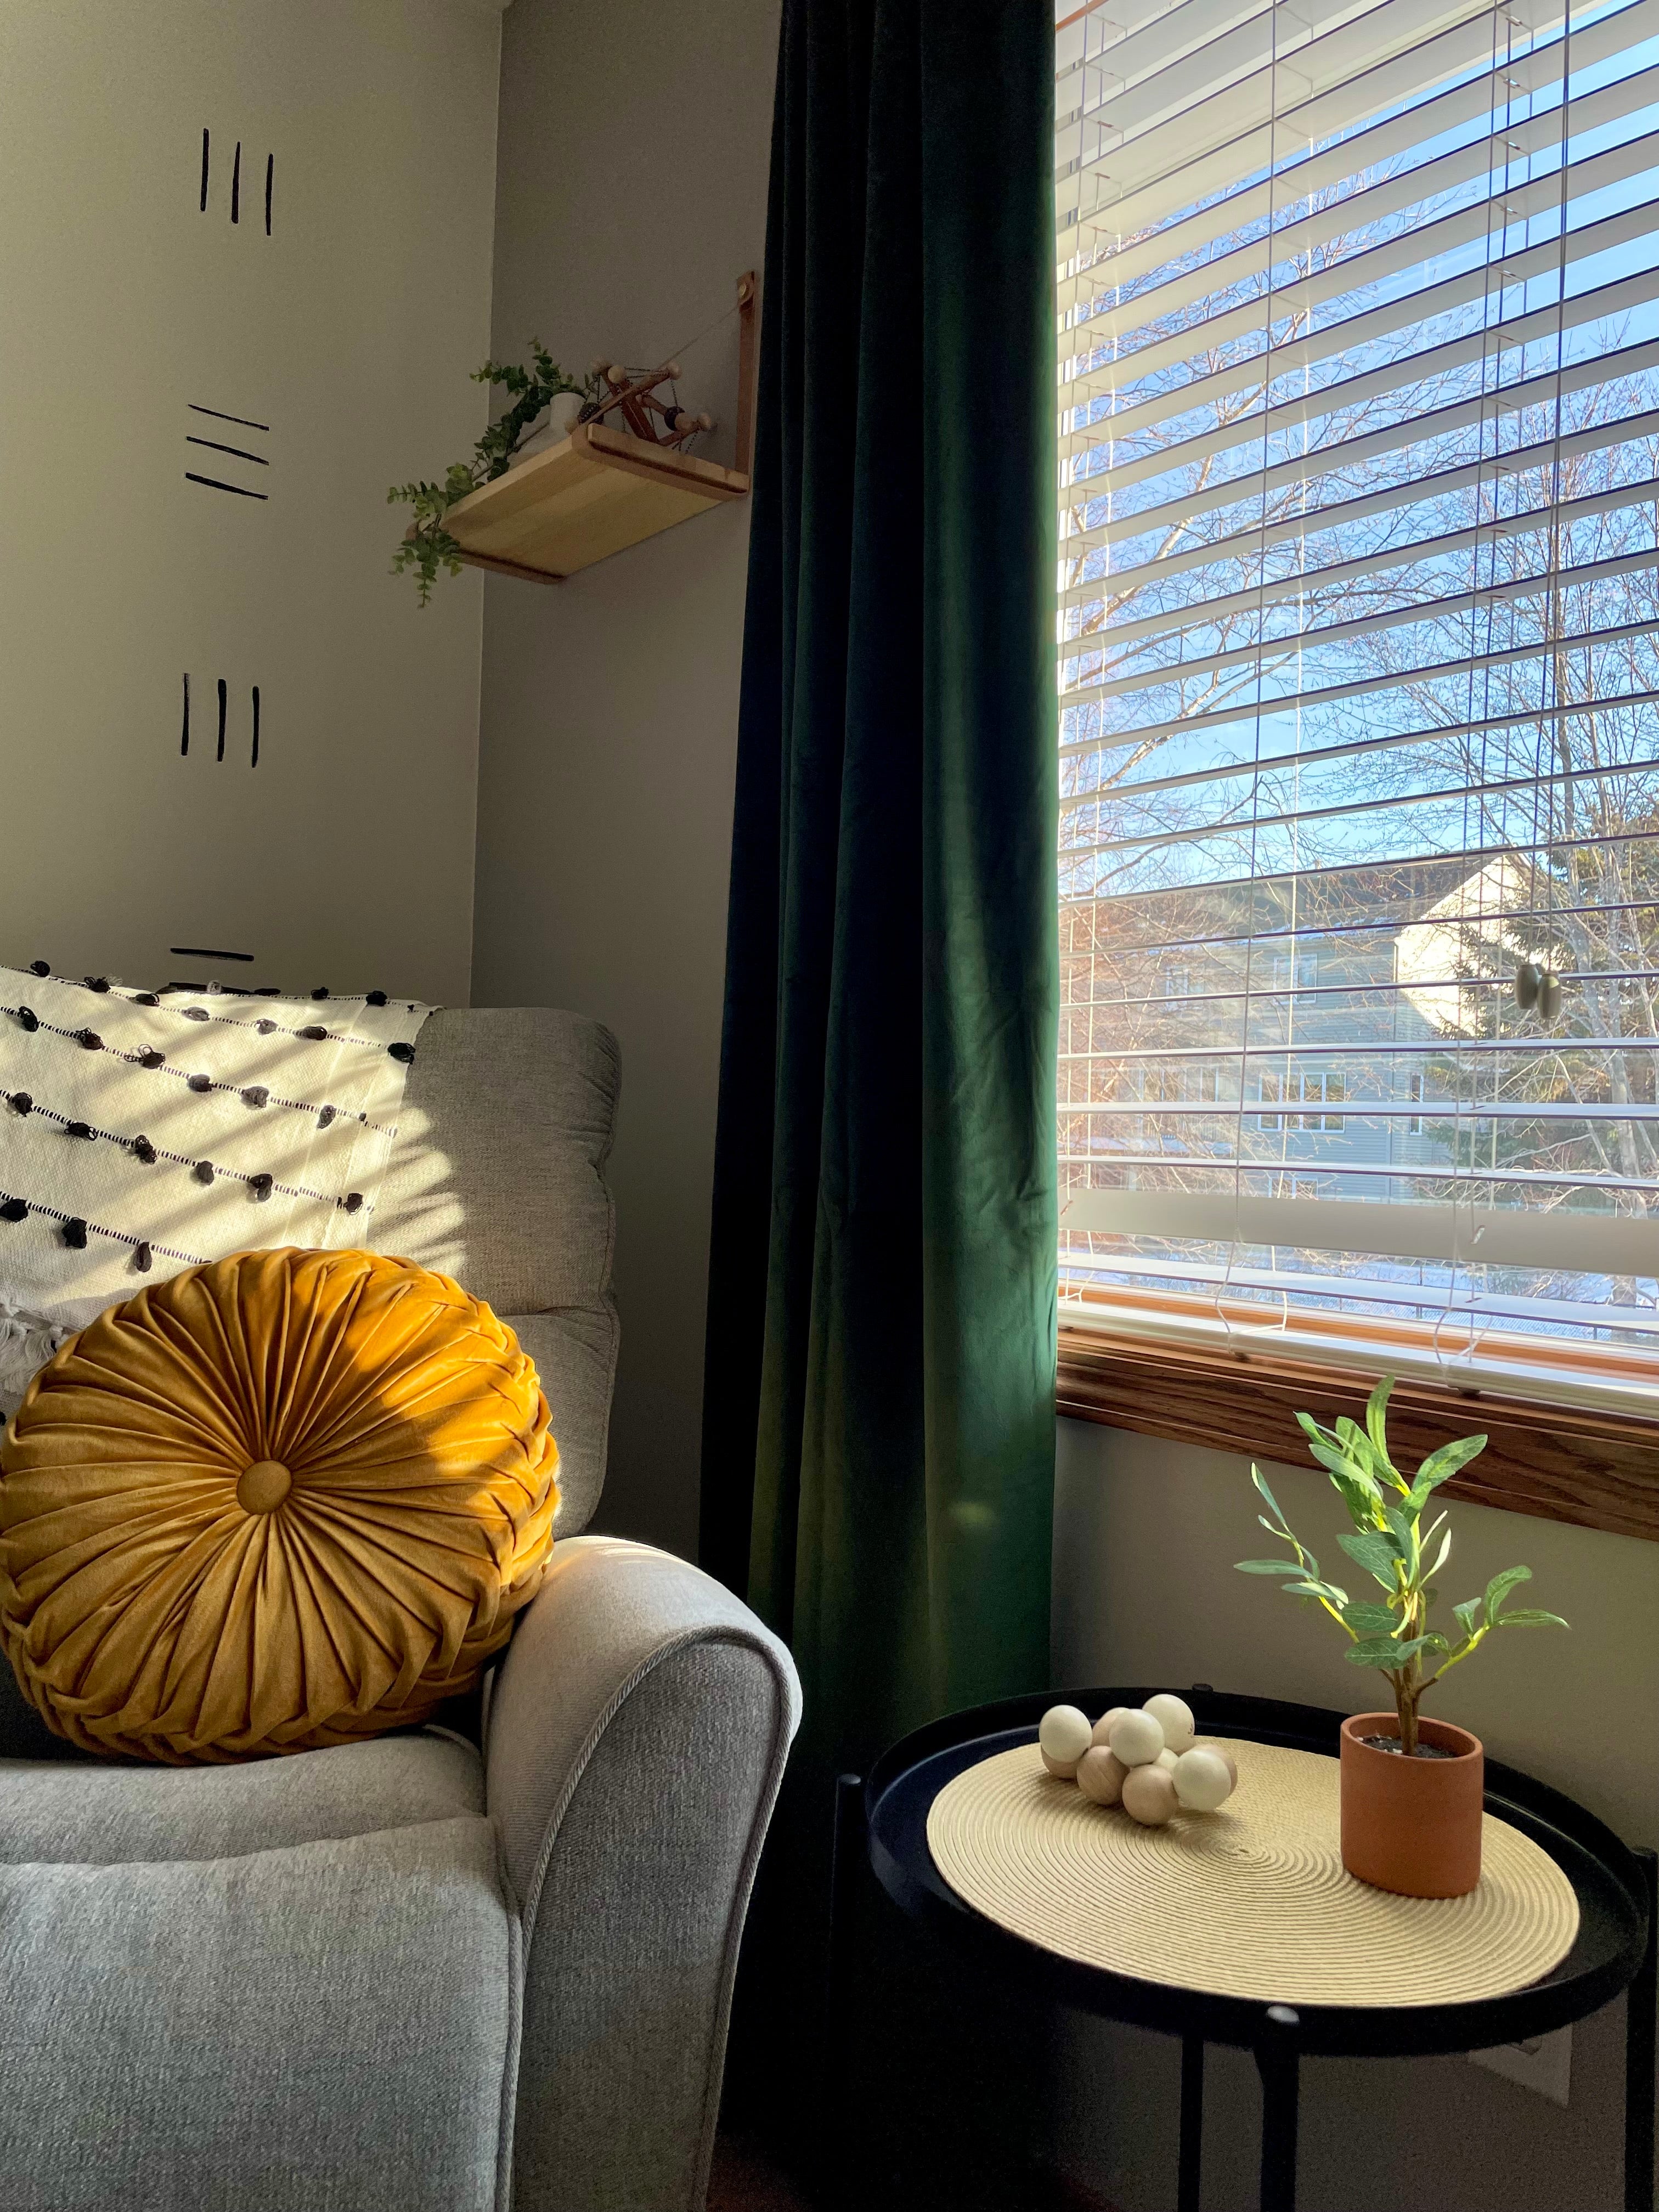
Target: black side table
[{"x": 884, "y": 1821}]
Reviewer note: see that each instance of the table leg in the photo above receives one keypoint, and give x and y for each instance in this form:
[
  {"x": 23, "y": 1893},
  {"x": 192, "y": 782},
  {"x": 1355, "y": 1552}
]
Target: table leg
[
  {"x": 1192, "y": 2123},
  {"x": 1276, "y": 2059},
  {"x": 1640, "y": 2002},
  {"x": 849, "y": 1848}
]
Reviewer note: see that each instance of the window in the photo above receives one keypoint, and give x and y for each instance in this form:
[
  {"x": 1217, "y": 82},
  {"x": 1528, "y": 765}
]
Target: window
[
  {"x": 1359, "y": 674},
  {"x": 1415, "y": 1124},
  {"x": 1320, "y": 1090}
]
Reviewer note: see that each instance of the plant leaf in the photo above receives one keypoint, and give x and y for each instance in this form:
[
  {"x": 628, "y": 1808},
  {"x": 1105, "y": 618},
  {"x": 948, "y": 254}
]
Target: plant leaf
[
  {"x": 1374, "y": 1551},
  {"x": 1468, "y": 1614},
  {"x": 1528, "y": 1616},
  {"x": 1261, "y": 1482},
  {"x": 1440, "y": 1556},
  {"x": 1355, "y": 1443},
  {"x": 1368, "y": 1619},
  {"x": 1270, "y": 1567},
  {"x": 1308, "y": 1587},
  {"x": 1402, "y": 1527},
  {"x": 1314, "y": 1430},
  {"x": 1440, "y": 1465},
  {"x": 1343, "y": 1465},
  {"x": 1376, "y": 1651},
  {"x": 1499, "y": 1588},
  {"x": 1376, "y": 1414}
]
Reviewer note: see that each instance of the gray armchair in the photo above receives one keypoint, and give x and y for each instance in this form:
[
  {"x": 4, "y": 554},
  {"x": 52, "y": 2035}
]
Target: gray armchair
[{"x": 399, "y": 1976}]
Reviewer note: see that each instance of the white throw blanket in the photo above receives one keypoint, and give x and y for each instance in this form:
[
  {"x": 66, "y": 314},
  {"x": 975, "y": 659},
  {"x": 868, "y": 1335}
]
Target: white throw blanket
[{"x": 140, "y": 1133}]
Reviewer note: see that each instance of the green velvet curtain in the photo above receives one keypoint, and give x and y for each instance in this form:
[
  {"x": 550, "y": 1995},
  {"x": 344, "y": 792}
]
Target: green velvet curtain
[{"x": 880, "y": 1427}]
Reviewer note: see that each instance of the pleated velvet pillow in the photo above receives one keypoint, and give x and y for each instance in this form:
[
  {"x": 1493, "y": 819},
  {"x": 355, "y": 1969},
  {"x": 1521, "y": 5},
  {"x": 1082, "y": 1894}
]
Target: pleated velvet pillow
[{"x": 289, "y": 1500}]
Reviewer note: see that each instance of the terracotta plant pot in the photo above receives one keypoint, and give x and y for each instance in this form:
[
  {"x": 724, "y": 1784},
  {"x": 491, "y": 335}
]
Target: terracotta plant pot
[{"x": 1412, "y": 1825}]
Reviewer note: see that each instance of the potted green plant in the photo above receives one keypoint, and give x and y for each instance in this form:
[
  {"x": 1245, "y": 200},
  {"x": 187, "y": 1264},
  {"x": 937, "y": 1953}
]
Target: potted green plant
[
  {"x": 428, "y": 546},
  {"x": 1412, "y": 1786}
]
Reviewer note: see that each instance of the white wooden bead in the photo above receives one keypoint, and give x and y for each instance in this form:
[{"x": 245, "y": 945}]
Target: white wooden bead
[
  {"x": 1065, "y": 1734},
  {"x": 1174, "y": 1717},
  {"x": 1201, "y": 1779},
  {"x": 1149, "y": 1795},
  {"x": 1166, "y": 1760},
  {"x": 1136, "y": 1737}
]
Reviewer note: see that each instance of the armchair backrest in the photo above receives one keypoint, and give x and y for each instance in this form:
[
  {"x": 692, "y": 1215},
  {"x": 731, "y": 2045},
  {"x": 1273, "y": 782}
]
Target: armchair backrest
[{"x": 497, "y": 1178}]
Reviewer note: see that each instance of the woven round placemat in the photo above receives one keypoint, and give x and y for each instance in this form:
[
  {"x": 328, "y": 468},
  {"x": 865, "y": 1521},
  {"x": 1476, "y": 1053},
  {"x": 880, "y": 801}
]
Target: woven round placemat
[{"x": 1250, "y": 1901}]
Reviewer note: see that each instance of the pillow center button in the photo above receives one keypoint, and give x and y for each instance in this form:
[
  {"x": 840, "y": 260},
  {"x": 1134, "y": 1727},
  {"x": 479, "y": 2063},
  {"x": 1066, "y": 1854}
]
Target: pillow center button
[{"x": 263, "y": 1486}]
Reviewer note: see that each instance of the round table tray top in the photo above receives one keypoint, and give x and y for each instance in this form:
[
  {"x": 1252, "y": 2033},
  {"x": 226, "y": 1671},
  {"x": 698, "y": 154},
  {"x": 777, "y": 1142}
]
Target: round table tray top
[{"x": 1250, "y": 1902}]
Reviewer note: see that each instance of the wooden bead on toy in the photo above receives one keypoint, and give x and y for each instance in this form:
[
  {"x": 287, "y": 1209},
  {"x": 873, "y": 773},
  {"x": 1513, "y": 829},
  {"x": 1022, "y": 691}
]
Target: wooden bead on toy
[
  {"x": 1166, "y": 1760},
  {"x": 1103, "y": 1725},
  {"x": 1101, "y": 1776},
  {"x": 1201, "y": 1779},
  {"x": 1225, "y": 1756},
  {"x": 1149, "y": 1795},
  {"x": 1063, "y": 1770},
  {"x": 1174, "y": 1717},
  {"x": 1136, "y": 1737},
  {"x": 1064, "y": 1734}
]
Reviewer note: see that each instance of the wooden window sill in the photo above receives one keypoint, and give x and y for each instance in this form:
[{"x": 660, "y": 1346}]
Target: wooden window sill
[{"x": 1588, "y": 1465}]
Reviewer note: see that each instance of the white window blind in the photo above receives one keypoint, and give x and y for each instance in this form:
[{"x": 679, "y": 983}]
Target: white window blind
[{"x": 1359, "y": 493}]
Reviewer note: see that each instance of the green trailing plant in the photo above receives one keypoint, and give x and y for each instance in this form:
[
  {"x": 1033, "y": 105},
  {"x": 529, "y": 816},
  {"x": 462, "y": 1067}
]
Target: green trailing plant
[
  {"x": 1390, "y": 1544},
  {"x": 429, "y": 547}
]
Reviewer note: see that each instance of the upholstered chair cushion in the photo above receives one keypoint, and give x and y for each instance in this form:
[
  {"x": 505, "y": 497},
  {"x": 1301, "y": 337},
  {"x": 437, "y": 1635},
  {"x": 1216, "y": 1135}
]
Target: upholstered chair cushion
[{"x": 286, "y": 1500}]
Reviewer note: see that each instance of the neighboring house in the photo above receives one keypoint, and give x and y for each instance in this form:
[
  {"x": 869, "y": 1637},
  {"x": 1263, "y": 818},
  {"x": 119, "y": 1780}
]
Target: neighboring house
[{"x": 1269, "y": 1046}]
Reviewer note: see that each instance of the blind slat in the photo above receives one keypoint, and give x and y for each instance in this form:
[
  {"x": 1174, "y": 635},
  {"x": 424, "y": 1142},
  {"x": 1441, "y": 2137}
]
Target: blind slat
[{"x": 1590, "y": 1243}]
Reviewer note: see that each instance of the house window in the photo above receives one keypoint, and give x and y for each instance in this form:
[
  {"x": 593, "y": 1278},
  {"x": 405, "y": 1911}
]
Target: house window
[
  {"x": 1360, "y": 318},
  {"x": 1321, "y": 1092},
  {"x": 1415, "y": 1123}
]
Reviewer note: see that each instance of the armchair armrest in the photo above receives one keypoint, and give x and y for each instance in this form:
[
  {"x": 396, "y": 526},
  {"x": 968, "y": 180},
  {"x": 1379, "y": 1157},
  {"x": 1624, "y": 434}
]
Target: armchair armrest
[{"x": 637, "y": 1738}]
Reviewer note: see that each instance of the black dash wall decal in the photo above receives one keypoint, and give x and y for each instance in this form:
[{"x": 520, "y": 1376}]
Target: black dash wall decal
[
  {"x": 219, "y": 416},
  {"x": 184, "y": 735},
  {"x": 222, "y": 696},
  {"x": 236, "y": 184},
  {"x": 254, "y": 761},
  {"x": 213, "y": 446},
  {"x": 270, "y": 171},
  {"x": 204, "y": 169},
  {"x": 207, "y": 953},
  {"x": 213, "y": 484}
]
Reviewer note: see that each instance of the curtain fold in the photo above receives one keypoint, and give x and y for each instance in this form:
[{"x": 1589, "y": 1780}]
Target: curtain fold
[{"x": 879, "y": 1415}]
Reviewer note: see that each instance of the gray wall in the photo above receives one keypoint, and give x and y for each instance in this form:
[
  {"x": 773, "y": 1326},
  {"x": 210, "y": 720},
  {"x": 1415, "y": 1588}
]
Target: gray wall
[
  {"x": 631, "y": 193},
  {"x": 1146, "y": 1534}
]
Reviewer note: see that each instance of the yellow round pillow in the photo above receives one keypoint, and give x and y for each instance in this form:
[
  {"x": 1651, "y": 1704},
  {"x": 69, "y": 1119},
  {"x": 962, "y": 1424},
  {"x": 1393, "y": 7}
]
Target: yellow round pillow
[{"x": 287, "y": 1499}]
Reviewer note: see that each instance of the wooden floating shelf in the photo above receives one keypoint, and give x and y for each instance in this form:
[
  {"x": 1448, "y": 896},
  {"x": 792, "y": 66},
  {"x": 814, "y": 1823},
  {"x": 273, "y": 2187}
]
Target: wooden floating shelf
[
  {"x": 600, "y": 490},
  {"x": 593, "y": 494}
]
